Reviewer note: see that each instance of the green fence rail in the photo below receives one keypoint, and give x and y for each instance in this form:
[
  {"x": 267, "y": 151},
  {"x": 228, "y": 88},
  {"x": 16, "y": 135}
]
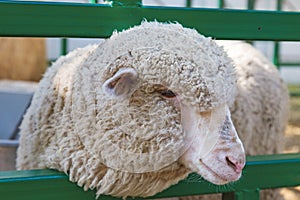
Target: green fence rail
[
  {"x": 41, "y": 19},
  {"x": 99, "y": 21},
  {"x": 261, "y": 172}
]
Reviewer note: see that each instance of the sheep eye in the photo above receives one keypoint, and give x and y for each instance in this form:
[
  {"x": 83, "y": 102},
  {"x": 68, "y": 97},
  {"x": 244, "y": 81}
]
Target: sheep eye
[{"x": 167, "y": 93}]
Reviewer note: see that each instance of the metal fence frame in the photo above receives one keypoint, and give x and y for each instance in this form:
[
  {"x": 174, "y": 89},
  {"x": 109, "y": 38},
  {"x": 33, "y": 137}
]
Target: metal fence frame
[{"x": 41, "y": 19}]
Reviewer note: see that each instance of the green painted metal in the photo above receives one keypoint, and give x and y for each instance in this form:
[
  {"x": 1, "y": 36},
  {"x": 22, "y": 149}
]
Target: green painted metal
[
  {"x": 263, "y": 172},
  {"x": 63, "y": 46},
  {"x": 290, "y": 64},
  {"x": 278, "y": 4},
  {"x": 250, "y": 4},
  {"x": 221, "y": 4},
  {"x": 295, "y": 94},
  {"x": 88, "y": 20},
  {"x": 39, "y": 184},
  {"x": 276, "y": 51},
  {"x": 247, "y": 195},
  {"x": 130, "y": 3},
  {"x": 188, "y": 3},
  {"x": 93, "y": 1},
  {"x": 94, "y": 20},
  {"x": 276, "y": 55}
]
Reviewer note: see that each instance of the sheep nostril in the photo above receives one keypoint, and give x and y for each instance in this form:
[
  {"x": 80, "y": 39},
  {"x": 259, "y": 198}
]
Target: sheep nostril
[
  {"x": 229, "y": 162},
  {"x": 235, "y": 164}
]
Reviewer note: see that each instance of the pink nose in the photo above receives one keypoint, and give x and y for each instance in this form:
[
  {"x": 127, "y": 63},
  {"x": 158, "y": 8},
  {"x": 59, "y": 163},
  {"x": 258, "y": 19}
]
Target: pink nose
[{"x": 236, "y": 163}]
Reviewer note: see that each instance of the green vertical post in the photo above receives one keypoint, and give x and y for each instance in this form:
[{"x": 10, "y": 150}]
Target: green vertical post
[
  {"x": 242, "y": 195},
  {"x": 136, "y": 3},
  {"x": 276, "y": 51},
  {"x": 188, "y": 3},
  {"x": 221, "y": 3},
  {"x": 250, "y": 4},
  {"x": 63, "y": 46},
  {"x": 276, "y": 56},
  {"x": 278, "y": 4}
]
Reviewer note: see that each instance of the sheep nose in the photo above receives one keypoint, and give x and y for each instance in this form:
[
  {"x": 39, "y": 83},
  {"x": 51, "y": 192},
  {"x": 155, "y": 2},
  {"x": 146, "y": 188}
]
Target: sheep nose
[{"x": 236, "y": 163}]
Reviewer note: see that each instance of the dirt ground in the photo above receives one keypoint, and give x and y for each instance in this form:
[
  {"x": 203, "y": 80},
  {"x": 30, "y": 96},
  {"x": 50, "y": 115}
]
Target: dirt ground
[{"x": 292, "y": 141}]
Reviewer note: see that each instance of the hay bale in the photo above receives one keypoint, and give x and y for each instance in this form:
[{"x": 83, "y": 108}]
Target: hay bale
[{"x": 22, "y": 58}]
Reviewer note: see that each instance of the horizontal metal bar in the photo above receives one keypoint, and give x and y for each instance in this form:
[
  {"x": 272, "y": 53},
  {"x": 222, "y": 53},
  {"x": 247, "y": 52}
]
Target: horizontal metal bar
[
  {"x": 263, "y": 172},
  {"x": 289, "y": 64},
  {"x": 9, "y": 143},
  {"x": 247, "y": 195},
  {"x": 48, "y": 19},
  {"x": 295, "y": 94}
]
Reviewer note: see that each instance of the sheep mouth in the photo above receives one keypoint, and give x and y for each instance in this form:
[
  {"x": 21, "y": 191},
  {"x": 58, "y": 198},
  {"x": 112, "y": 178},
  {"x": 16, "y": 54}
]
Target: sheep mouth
[{"x": 219, "y": 179}]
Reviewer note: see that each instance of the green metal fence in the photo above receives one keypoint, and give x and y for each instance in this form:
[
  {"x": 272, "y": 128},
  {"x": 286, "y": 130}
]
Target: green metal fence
[
  {"x": 40, "y": 19},
  {"x": 261, "y": 172}
]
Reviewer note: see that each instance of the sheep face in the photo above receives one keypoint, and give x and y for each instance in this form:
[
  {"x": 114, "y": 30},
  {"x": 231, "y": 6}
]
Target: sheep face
[{"x": 160, "y": 127}]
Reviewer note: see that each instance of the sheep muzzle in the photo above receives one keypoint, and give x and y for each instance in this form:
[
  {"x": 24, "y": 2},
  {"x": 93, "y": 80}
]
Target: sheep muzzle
[{"x": 216, "y": 152}]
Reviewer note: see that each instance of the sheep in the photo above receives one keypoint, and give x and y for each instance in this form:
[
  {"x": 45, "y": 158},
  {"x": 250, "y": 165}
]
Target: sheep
[
  {"x": 262, "y": 97},
  {"x": 141, "y": 110}
]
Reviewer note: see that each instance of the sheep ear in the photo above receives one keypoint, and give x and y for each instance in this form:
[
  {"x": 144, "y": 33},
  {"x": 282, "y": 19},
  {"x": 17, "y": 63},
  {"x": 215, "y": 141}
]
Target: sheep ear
[{"x": 122, "y": 83}]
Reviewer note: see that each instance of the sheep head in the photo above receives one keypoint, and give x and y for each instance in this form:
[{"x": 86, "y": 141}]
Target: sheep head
[
  {"x": 176, "y": 94},
  {"x": 146, "y": 107},
  {"x": 157, "y": 120}
]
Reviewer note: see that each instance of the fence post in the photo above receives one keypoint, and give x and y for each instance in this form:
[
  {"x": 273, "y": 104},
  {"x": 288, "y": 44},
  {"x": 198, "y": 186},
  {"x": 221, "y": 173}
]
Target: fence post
[
  {"x": 134, "y": 3},
  {"x": 242, "y": 195},
  {"x": 276, "y": 53}
]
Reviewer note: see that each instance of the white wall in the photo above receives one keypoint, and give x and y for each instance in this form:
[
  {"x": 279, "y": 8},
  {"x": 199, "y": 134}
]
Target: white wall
[{"x": 54, "y": 45}]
